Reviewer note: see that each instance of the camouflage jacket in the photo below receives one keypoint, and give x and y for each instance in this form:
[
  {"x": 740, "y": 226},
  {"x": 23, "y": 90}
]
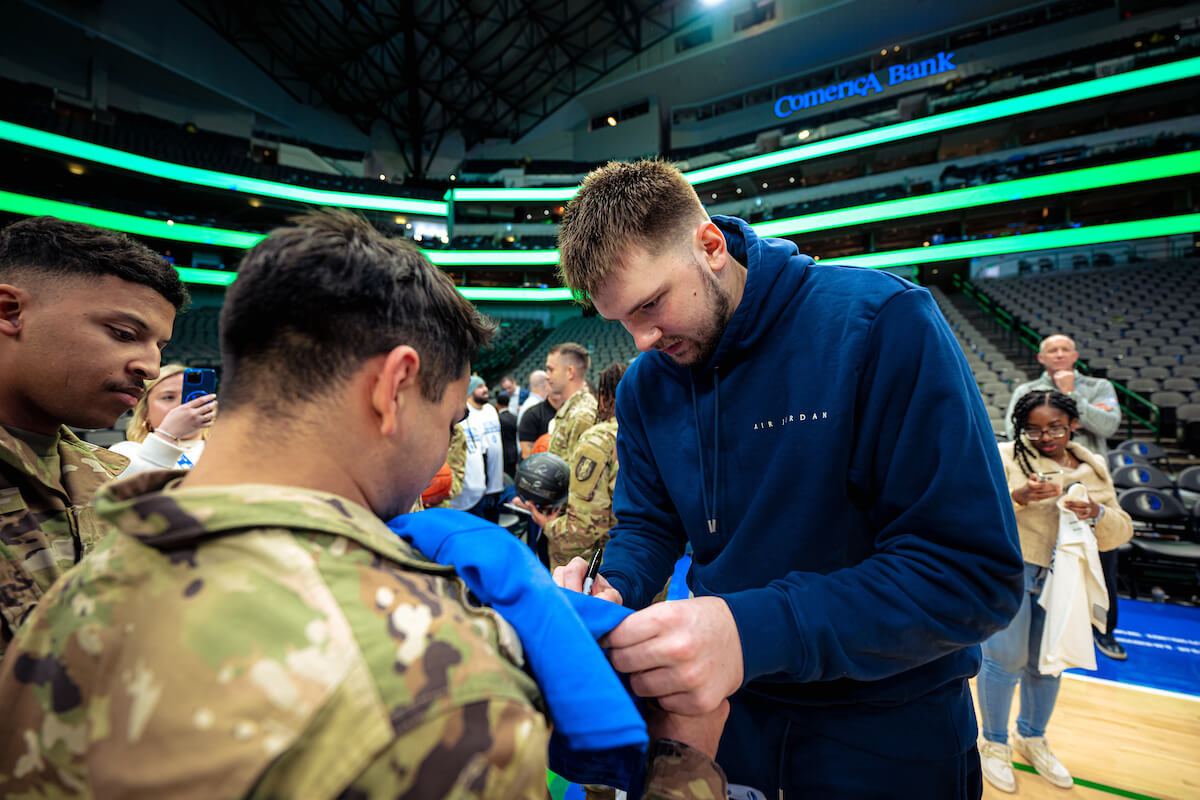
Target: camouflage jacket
[
  {"x": 46, "y": 525},
  {"x": 574, "y": 417},
  {"x": 268, "y": 641},
  {"x": 588, "y": 516},
  {"x": 263, "y": 641}
]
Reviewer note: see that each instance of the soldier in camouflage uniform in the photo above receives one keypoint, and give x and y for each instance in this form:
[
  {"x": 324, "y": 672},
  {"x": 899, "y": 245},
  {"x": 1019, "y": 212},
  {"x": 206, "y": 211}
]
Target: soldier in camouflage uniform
[
  {"x": 252, "y": 629},
  {"x": 566, "y": 368},
  {"x": 86, "y": 313},
  {"x": 588, "y": 517}
]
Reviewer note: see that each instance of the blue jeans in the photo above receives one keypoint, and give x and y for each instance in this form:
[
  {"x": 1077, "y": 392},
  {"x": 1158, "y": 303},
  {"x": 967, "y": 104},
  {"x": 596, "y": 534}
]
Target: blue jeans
[{"x": 1011, "y": 655}]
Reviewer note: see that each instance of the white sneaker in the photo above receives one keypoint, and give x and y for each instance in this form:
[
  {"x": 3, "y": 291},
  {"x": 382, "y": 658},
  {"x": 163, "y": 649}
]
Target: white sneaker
[
  {"x": 1035, "y": 750},
  {"x": 996, "y": 761}
]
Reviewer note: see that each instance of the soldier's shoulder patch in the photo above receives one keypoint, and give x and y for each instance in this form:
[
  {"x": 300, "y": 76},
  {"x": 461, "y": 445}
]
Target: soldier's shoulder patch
[{"x": 584, "y": 468}]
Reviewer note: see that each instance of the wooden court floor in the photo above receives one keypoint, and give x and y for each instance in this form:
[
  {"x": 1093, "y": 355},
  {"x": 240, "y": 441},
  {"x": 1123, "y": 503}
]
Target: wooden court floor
[{"x": 1122, "y": 740}]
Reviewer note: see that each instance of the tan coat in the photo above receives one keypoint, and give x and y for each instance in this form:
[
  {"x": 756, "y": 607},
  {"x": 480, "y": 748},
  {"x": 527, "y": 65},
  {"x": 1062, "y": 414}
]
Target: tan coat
[{"x": 1037, "y": 522}]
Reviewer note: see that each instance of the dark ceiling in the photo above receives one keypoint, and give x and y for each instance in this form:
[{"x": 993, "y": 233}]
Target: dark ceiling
[{"x": 485, "y": 68}]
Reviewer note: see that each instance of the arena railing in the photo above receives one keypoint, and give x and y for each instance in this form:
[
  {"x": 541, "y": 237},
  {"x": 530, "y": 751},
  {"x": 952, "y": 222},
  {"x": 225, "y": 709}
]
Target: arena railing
[{"x": 1022, "y": 335}]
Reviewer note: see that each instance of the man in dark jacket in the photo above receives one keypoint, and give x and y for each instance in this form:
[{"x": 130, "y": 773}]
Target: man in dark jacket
[{"x": 815, "y": 433}]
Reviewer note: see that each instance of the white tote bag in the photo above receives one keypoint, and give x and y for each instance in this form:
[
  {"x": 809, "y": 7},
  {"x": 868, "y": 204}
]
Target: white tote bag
[{"x": 1074, "y": 595}]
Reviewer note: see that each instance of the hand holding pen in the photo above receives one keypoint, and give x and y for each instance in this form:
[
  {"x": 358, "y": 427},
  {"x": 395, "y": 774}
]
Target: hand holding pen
[
  {"x": 593, "y": 570},
  {"x": 572, "y": 577}
]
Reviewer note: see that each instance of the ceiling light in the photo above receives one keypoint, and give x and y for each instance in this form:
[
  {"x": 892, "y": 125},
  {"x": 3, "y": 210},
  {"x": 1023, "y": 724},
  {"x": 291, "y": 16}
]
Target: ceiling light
[
  {"x": 75, "y": 169},
  {"x": 612, "y": 121},
  {"x": 382, "y": 177},
  {"x": 804, "y": 134}
]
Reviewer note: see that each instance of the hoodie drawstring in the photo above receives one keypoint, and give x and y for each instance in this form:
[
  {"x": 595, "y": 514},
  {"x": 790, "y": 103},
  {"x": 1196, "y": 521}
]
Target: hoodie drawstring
[{"x": 710, "y": 512}]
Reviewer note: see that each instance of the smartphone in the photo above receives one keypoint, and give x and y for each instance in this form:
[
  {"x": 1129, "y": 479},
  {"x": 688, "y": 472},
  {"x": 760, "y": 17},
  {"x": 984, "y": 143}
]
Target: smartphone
[
  {"x": 197, "y": 383},
  {"x": 1055, "y": 477}
]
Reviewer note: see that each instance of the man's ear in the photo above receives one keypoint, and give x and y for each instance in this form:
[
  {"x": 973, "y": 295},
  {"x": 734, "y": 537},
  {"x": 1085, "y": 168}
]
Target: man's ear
[
  {"x": 711, "y": 242},
  {"x": 13, "y": 301},
  {"x": 395, "y": 384}
]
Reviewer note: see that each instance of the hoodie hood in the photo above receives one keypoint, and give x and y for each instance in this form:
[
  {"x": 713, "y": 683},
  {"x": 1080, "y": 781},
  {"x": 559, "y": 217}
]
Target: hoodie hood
[{"x": 775, "y": 270}]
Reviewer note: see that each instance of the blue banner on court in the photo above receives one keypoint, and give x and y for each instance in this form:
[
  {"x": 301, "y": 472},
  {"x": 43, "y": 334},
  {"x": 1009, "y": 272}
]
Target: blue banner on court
[{"x": 1163, "y": 642}]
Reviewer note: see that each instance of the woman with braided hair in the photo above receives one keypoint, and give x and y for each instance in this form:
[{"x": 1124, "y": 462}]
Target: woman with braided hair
[{"x": 1041, "y": 461}]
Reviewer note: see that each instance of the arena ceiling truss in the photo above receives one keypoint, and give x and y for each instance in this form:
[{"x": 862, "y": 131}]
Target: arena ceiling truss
[{"x": 485, "y": 68}]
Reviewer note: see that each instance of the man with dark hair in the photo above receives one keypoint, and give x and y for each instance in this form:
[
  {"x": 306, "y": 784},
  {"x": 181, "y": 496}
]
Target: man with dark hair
[
  {"x": 253, "y": 627},
  {"x": 566, "y": 373},
  {"x": 84, "y": 315},
  {"x": 515, "y": 394},
  {"x": 839, "y": 607}
]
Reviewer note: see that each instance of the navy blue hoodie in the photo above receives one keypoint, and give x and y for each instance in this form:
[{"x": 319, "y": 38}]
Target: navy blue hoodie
[{"x": 836, "y": 444}]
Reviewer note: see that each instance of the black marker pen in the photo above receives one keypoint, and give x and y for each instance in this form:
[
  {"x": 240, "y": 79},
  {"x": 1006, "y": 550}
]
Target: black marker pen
[{"x": 593, "y": 569}]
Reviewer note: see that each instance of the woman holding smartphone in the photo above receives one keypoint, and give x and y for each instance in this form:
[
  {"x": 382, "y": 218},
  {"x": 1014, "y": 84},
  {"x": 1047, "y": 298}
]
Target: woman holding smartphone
[
  {"x": 1041, "y": 461},
  {"x": 164, "y": 432}
]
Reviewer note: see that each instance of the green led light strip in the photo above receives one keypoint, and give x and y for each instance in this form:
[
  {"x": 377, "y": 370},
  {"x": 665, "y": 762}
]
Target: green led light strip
[
  {"x": 208, "y": 277},
  {"x": 1038, "y": 101},
  {"x": 483, "y": 293},
  {"x": 1089, "y": 90},
  {"x": 527, "y": 195},
  {"x": 112, "y": 157},
  {"x": 1024, "y": 243},
  {"x": 158, "y": 229},
  {"x": 1147, "y": 169},
  {"x": 492, "y": 258}
]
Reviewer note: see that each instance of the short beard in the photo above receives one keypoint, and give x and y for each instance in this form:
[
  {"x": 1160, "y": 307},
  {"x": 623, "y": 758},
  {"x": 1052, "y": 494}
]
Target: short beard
[{"x": 708, "y": 338}]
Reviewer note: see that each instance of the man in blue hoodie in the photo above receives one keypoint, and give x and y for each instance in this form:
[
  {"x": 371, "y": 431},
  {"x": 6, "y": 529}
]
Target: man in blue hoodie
[{"x": 815, "y": 433}]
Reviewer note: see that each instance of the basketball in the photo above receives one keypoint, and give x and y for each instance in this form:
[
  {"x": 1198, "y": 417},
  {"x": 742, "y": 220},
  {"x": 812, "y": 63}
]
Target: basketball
[
  {"x": 542, "y": 443},
  {"x": 438, "y": 488}
]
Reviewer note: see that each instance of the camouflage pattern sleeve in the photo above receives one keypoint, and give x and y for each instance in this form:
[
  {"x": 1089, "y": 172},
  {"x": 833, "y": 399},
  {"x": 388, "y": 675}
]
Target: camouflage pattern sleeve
[
  {"x": 263, "y": 641},
  {"x": 46, "y": 524},
  {"x": 456, "y": 457},
  {"x": 679, "y": 772},
  {"x": 588, "y": 517},
  {"x": 572, "y": 421},
  {"x": 487, "y": 751}
]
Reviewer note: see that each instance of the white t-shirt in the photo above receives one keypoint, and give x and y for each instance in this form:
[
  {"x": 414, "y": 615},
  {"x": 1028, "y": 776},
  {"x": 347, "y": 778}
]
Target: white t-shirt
[
  {"x": 484, "y": 425},
  {"x": 155, "y": 452},
  {"x": 474, "y": 479}
]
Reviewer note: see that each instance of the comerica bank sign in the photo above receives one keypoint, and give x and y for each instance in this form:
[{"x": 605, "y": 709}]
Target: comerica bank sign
[{"x": 867, "y": 84}]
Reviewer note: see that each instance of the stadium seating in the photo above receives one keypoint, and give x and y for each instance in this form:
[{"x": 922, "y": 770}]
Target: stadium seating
[
  {"x": 606, "y": 341},
  {"x": 194, "y": 341}
]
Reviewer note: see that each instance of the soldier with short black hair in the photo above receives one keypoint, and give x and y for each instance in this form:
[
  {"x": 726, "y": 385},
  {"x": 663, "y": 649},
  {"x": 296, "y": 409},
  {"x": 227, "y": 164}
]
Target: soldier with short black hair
[{"x": 84, "y": 315}]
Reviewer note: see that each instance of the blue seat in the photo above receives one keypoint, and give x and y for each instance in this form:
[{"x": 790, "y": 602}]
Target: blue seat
[{"x": 1139, "y": 475}]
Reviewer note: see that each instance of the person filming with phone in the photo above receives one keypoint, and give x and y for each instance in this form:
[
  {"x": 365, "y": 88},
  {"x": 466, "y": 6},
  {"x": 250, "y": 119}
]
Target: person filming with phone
[
  {"x": 168, "y": 430},
  {"x": 1038, "y": 464}
]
